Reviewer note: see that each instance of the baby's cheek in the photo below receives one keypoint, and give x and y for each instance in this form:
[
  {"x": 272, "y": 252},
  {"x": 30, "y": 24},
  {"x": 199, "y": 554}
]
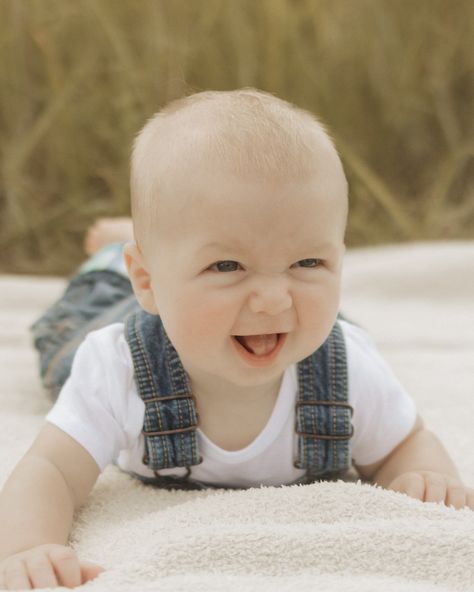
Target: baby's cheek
[
  {"x": 317, "y": 315},
  {"x": 203, "y": 323}
]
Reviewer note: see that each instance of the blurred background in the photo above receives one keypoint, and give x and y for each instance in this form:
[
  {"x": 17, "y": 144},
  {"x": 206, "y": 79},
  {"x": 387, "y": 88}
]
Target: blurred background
[{"x": 392, "y": 79}]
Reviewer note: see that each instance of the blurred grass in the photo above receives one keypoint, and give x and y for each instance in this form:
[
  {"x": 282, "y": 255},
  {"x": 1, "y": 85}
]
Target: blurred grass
[{"x": 393, "y": 79}]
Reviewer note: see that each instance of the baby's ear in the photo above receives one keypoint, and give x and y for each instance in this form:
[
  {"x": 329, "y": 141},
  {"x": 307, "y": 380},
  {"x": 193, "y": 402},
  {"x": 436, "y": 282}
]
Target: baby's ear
[{"x": 140, "y": 277}]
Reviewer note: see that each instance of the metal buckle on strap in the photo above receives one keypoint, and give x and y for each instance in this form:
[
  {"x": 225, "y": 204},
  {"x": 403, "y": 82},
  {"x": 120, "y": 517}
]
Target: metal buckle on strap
[
  {"x": 190, "y": 428},
  {"x": 170, "y": 398},
  {"x": 167, "y": 432},
  {"x": 171, "y": 482}
]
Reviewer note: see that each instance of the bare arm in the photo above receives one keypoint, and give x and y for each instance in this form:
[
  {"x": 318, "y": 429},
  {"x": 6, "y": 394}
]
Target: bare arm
[
  {"x": 420, "y": 451},
  {"x": 421, "y": 467},
  {"x": 38, "y": 500}
]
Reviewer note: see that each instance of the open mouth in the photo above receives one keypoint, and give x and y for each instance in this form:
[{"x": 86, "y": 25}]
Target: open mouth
[{"x": 259, "y": 345}]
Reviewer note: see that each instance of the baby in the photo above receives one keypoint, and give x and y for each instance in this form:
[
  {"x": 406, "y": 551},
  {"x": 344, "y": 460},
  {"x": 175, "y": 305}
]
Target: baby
[{"x": 236, "y": 369}]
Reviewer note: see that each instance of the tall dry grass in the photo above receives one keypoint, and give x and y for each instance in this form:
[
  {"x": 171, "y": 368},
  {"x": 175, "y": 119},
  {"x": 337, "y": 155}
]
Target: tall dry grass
[{"x": 393, "y": 79}]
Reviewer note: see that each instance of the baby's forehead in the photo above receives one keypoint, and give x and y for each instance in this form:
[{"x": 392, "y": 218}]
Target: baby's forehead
[
  {"x": 219, "y": 207},
  {"x": 209, "y": 190},
  {"x": 245, "y": 135}
]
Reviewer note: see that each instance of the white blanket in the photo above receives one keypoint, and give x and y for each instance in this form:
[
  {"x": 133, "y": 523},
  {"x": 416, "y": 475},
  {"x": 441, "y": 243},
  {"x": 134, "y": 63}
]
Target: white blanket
[{"x": 417, "y": 302}]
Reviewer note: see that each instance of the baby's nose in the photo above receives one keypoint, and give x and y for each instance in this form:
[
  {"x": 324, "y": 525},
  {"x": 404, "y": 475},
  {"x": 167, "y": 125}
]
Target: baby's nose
[{"x": 270, "y": 296}]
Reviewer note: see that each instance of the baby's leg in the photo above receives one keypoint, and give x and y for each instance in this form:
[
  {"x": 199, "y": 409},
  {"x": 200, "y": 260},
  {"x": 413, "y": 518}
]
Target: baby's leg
[{"x": 98, "y": 295}]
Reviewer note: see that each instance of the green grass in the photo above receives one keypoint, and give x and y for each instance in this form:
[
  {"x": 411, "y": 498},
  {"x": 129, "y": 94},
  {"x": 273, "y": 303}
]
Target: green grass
[{"x": 393, "y": 80}]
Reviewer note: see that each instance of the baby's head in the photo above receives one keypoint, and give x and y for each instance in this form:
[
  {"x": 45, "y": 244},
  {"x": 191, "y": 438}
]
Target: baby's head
[
  {"x": 246, "y": 133},
  {"x": 239, "y": 203}
]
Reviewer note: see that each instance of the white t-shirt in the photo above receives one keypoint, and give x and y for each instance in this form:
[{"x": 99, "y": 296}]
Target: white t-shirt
[{"x": 100, "y": 408}]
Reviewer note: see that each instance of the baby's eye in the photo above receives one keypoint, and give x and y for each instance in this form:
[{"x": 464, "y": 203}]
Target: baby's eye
[
  {"x": 224, "y": 266},
  {"x": 309, "y": 262}
]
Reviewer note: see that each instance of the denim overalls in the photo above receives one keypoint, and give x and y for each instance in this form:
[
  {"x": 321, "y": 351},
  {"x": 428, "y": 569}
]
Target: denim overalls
[
  {"x": 97, "y": 298},
  {"x": 323, "y": 415}
]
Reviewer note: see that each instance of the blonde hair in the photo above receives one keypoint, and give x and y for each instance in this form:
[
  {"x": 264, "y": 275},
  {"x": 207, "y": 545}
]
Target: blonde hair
[{"x": 243, "y": 132}]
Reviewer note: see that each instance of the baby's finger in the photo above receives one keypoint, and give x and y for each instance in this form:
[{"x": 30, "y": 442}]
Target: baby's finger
[
  {"x": 41, "y": 571},
  {"x": 456, "y": 495},
  {"x": 89, "y": 571},
  {"x": 16, "y": 577},
  {"x": 435, "y": 490},
  {"x": 66, "y": 566},
  {"x": 412, "y": 484}
]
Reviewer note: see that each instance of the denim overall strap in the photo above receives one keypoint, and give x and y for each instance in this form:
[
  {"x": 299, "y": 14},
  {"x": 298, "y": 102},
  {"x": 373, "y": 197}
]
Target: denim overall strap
[
  {"x": 170, "y": 410},
  {"x": 323, "y": 415}
]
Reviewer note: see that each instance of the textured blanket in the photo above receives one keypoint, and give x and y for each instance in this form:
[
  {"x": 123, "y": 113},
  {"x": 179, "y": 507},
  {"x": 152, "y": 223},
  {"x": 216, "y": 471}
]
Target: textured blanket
[{"x": 417, "y": 302}]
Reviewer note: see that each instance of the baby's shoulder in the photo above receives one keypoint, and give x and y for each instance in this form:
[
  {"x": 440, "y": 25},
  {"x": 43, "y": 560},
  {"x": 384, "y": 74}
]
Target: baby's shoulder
[
  {"x": 368, "y": 371},
  {"x": 108, "y": 345},
  {"x": 357, "y": 338}
]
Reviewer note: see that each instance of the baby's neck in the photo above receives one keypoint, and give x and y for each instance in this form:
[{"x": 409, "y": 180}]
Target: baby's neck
[{"x": 231, "y": 416}]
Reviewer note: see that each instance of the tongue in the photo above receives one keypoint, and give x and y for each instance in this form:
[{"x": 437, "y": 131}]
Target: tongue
[{"x": 260, "y": 345}]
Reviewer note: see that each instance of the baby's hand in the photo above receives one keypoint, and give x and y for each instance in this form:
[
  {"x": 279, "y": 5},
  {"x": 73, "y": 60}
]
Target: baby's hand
[
  {"x": 45, "y": 566},
  {"x": 428, "y": 486}
]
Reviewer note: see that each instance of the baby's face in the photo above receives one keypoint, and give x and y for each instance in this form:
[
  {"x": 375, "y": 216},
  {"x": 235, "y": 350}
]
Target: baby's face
[{"x": 248, "y": 257}]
